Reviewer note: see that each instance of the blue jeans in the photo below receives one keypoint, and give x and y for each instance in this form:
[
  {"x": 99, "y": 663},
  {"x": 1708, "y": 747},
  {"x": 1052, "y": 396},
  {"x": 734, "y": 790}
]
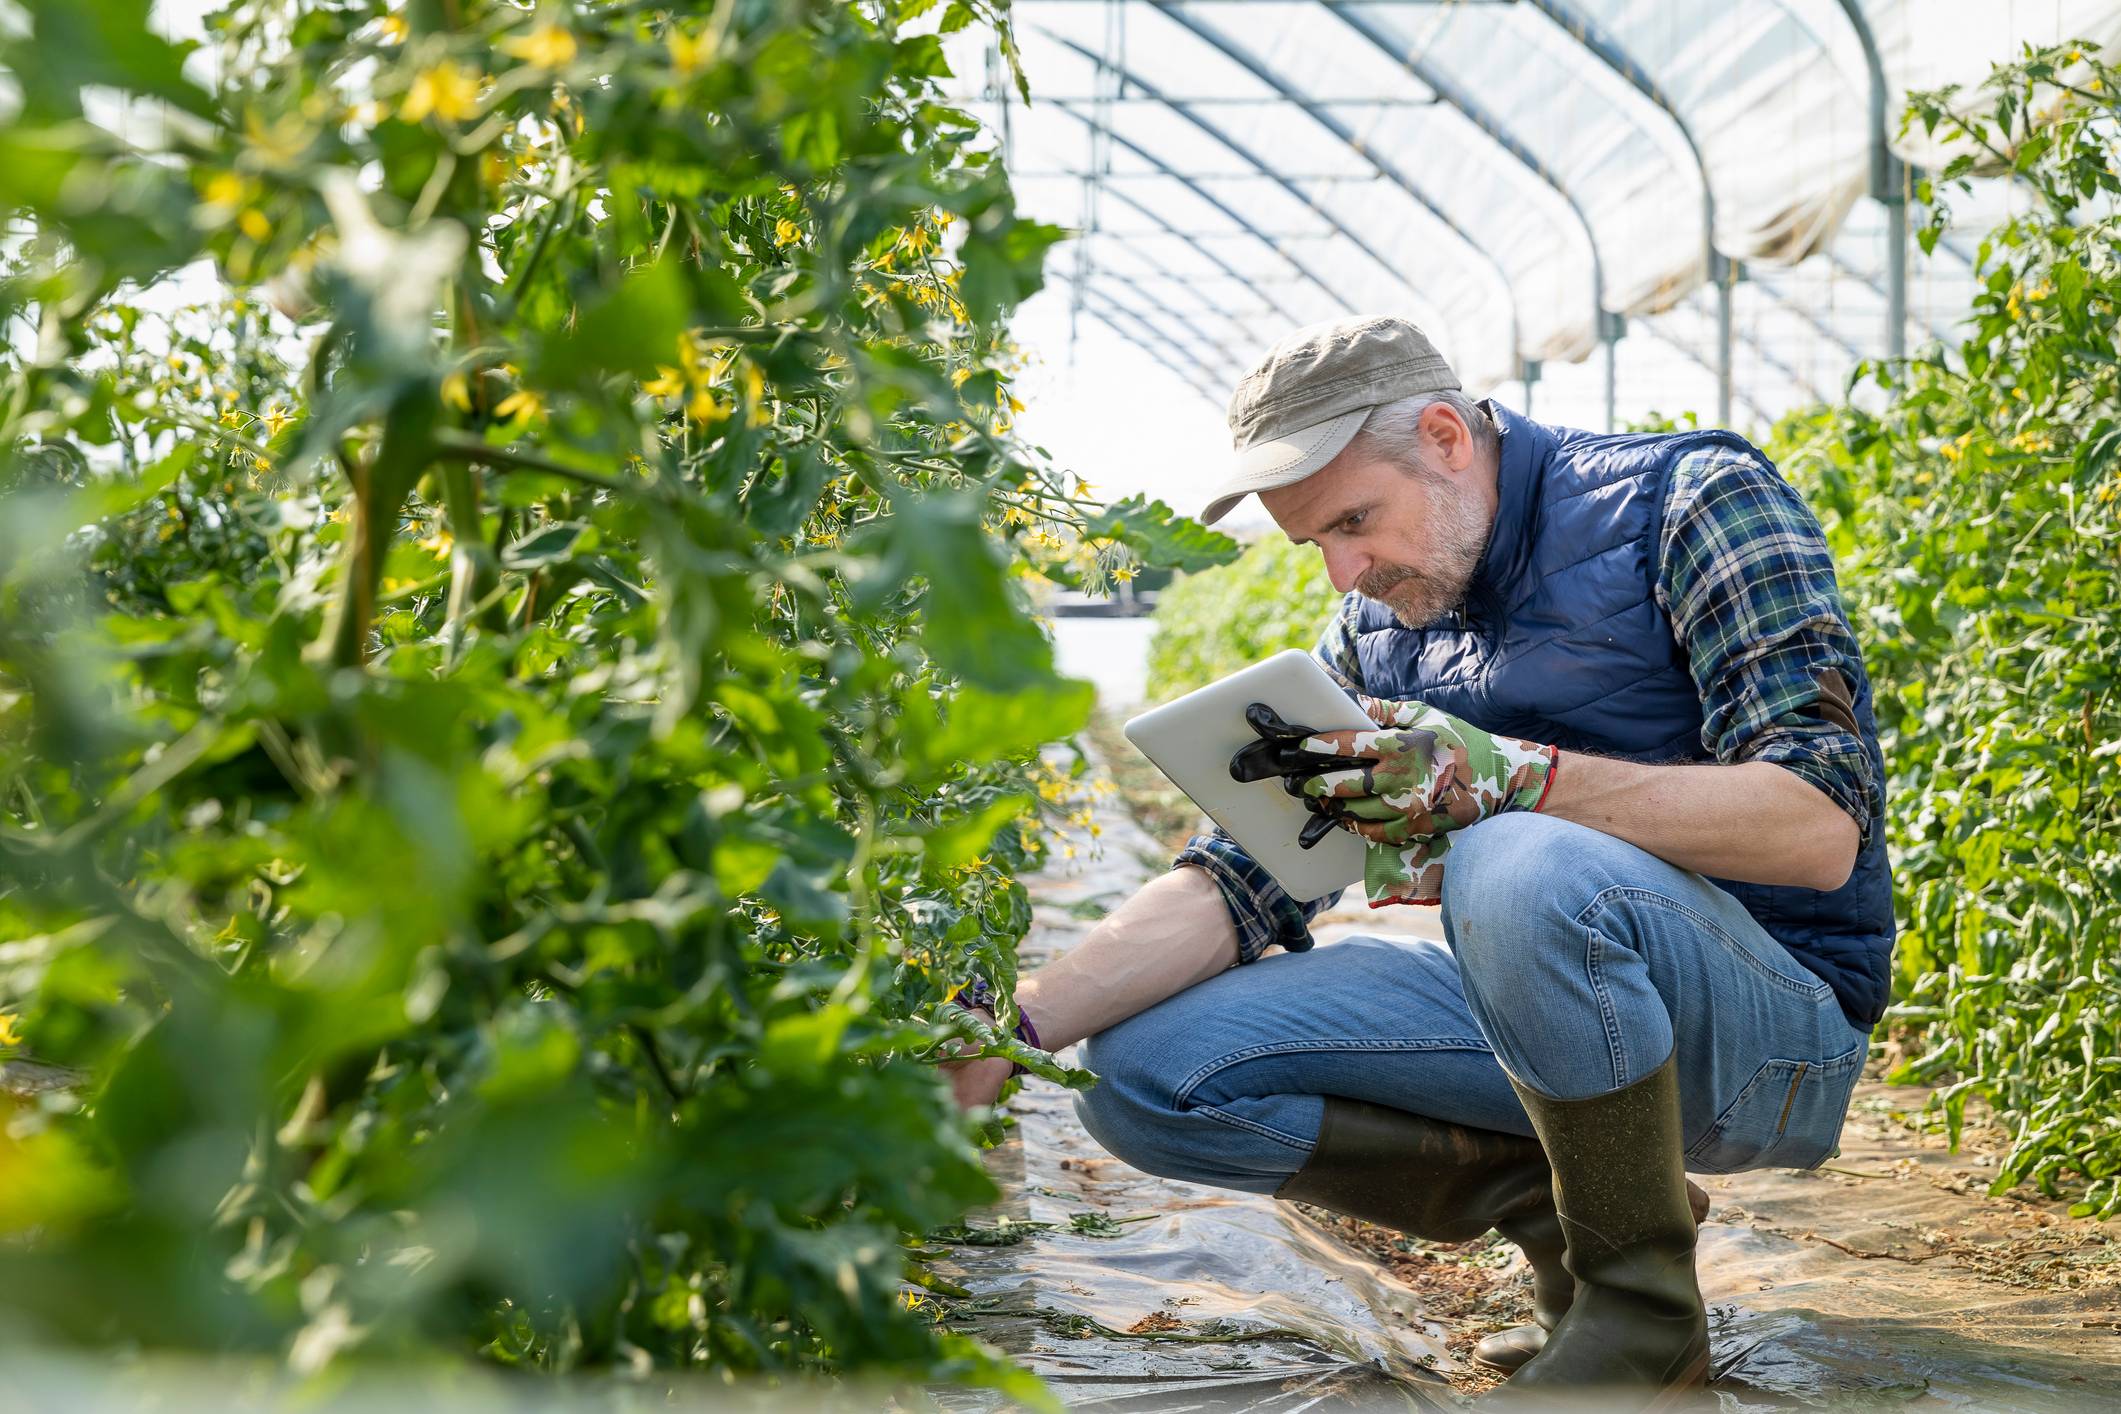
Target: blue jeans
[{"x": 1577, "y": 963}]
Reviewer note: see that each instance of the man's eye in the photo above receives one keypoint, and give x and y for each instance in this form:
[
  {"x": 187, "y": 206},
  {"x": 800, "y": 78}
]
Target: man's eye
[{"x": 1354, "y": 520}]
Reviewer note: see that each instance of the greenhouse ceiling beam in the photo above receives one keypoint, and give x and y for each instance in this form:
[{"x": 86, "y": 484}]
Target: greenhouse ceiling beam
[
  {"x": 1203, "y": 251},
  {"x": 1886, "y": 177},
  {"x": 1391, "y": 270},
  {"x": 1147, "y": 338},
  {"x": 1228, "y": 365},
  {"x": 1303, "y": 270},
  {"x": 1609, "y": 52},
  {"x": 1649, "y": 327},
  {"x": 1477, "y": 113},
  {"x": 1215, "y": 39},
  {"x": 1058, "y": 173},
  {"x": 1222, "y": 100}
]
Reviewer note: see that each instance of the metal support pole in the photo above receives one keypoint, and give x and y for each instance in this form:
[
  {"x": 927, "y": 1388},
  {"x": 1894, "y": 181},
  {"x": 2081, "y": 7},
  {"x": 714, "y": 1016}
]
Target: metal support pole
[
  {"x": 1723, "y": 271},
  {"x": 1896, "y": 275},
  {"x": 1887, "y": 175},
  {"x": 1611, "y": 327},
  {"x": 1529, "y": 371}
]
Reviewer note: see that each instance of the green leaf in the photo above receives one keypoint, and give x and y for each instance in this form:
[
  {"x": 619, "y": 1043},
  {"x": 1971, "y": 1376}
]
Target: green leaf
[
  {"x": 633, "y": 326},
  {"x": 801, "y": 1045},
  {"x": 1163, "y": 538},
  {"x": 956, "y": 843}
]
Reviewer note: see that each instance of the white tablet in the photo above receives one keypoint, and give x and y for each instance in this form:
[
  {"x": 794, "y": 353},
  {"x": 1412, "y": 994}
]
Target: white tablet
[{"x": 1192, "y": 740}]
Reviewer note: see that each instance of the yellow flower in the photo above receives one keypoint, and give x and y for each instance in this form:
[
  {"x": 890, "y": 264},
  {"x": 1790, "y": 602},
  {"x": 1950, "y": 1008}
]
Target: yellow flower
[
  {"x": 958, "y": 377},
  {"x": 9, "y": 1036},
  {"x": 546, "y": 47},
  {"x": 392, "y": 29},
  {"x": 755, "y": 395},
  {"x": 689, "y": 53},
  {"x": 275, "y": 420},
  {"x": 706, "y": 409},
  {"x": 448, "y": 90},
  {"x": 251, "y": 222},
  {"x": 1123, "y": 574},
  {"x": 668, "y": 382},
  {"x": 440, "y": 543},
  {"x": 456, "y": 391},
  {"x": 522, "y": 401},
  {"x": 227, "y": 189},
  {"x": 786, "y": 232}
]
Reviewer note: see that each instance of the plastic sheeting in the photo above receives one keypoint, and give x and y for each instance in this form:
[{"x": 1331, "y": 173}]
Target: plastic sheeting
[
  {"x": 1133, "y": 1291},
  {"x": 1500, "y": 170}
]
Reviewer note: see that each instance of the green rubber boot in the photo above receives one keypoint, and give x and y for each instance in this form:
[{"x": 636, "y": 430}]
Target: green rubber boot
[
  {"x": 1637, "y": 1322},
  {"x": 1447, "y": 1183}
]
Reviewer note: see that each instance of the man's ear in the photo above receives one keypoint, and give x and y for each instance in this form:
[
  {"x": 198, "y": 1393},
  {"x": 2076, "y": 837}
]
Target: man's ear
[{"x": 1450, "y": 436}]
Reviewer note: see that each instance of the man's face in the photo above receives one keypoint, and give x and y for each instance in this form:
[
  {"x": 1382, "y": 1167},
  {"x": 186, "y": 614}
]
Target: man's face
[{"x": 1409, "y": 539}]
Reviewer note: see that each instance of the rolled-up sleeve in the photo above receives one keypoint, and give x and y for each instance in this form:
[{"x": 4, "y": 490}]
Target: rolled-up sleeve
[
  {"x": 1747, "y": 581},
  {"x": 1262, "y": 910},
  {"x": 1264, "y": 913}
]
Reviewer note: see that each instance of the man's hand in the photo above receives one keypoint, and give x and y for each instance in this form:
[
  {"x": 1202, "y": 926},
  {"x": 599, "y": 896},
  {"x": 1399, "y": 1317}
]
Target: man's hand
[
  {"x": 1402, "y": 787},
  {"x": 977, "y": 1081}
]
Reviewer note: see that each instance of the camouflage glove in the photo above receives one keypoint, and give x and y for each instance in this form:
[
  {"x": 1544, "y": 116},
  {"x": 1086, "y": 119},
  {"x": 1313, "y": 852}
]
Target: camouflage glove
[{"x": 1403, "y": 787}]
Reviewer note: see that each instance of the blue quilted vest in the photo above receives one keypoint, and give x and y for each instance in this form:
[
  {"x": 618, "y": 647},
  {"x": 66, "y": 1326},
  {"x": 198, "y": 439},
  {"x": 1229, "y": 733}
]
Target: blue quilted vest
[{"x": 1561, "y": 640}]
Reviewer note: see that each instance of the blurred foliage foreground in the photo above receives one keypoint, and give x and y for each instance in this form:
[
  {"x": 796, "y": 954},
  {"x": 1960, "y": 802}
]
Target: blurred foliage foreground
[
  {"x": 516, "y": 701},
  {"x": 1974, "y": 522}
]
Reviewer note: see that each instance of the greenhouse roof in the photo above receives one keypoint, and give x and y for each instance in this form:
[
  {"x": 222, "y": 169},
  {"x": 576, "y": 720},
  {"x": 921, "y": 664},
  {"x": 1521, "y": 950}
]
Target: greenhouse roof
[{"x": 1701, "y": 197}]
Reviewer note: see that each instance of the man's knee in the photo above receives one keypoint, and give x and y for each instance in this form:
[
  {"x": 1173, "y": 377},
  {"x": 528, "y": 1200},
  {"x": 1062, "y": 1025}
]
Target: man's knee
[
  {"x": 1505, "y": 867},
  {"x": 1131, "y": 1110}
]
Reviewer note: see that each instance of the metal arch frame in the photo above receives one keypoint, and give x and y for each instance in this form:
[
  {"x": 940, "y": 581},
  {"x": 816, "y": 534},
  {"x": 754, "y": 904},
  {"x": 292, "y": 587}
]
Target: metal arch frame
[
  {"x": 1217, "y": 202},
  {"x": 1148, "y": 340},
  {"x": 1795, "y": 379},
  {"x": 1608, "y": 327},
  {"x": 1609, "y": 52},
  {"x": 1193, "y": 240},
  {"x": 1449, "y": 92},
  {"x": 1392, "y": 272},
  {"x": 1183, "y": 320},
  {"x": 1215, "y": 39},
  {"x": 1649, "y": 327}
]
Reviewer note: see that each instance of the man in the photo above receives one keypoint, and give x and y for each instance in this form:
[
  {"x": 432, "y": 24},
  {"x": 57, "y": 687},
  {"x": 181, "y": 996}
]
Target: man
[{"x": 1669, "y": 912}]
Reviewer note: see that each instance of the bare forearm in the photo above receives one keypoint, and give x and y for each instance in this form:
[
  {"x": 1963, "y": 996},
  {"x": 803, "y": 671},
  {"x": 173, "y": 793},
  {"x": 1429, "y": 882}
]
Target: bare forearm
[
  {"x": 1753, "y": 821},
  {"x": 1174, "y": 932}
]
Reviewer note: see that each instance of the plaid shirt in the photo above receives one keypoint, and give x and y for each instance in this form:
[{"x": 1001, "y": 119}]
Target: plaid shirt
[{"x": 1745, "y": 577}]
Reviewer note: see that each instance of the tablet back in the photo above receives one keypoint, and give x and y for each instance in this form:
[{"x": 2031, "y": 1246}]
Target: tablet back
[{"x": 1192, "y": 739}]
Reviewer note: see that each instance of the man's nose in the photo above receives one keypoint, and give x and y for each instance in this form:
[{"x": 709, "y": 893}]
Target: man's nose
[{"x": 1344, "y": 566}]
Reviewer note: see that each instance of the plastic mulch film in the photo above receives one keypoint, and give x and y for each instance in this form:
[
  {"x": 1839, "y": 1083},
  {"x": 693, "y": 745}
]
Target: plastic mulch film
[{"x": 1125, "y": 1290}]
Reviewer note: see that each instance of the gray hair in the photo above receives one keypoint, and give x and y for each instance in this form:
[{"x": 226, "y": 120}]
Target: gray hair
[{"x": 1392, "y": 431}]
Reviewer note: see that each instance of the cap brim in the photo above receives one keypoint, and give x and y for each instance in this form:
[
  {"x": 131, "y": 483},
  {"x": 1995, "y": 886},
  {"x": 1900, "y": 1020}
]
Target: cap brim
[{"x": 1288, "y": 459}]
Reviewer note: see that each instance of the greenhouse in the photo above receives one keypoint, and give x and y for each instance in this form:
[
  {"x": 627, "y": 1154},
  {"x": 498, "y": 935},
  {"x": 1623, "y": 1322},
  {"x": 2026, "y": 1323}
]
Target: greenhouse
[
  {"x": 1239, "y": 705},
  {"x": 1534, "y": 182}
]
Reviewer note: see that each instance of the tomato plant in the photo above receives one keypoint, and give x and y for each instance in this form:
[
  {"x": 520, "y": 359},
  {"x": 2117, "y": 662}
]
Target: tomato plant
[
  {"x": 1973, "y": 518},
  {"x": 517, "y": 700}
]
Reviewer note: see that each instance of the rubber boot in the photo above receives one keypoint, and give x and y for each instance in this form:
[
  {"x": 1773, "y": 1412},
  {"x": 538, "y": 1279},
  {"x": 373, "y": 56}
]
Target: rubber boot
[
  {"x": 1448, "y": 1183},
  {"x": 1637, "y": 1321}
]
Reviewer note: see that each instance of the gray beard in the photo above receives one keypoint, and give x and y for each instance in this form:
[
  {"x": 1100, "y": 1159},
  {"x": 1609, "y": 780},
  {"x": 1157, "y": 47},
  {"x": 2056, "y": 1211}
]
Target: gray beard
[{"x": 1460, "y": 529}]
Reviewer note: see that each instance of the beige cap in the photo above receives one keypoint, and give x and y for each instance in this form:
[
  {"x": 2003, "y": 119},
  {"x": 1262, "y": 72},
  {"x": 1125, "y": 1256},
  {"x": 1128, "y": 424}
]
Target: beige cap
[{"x": 1305, "y": 399}]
